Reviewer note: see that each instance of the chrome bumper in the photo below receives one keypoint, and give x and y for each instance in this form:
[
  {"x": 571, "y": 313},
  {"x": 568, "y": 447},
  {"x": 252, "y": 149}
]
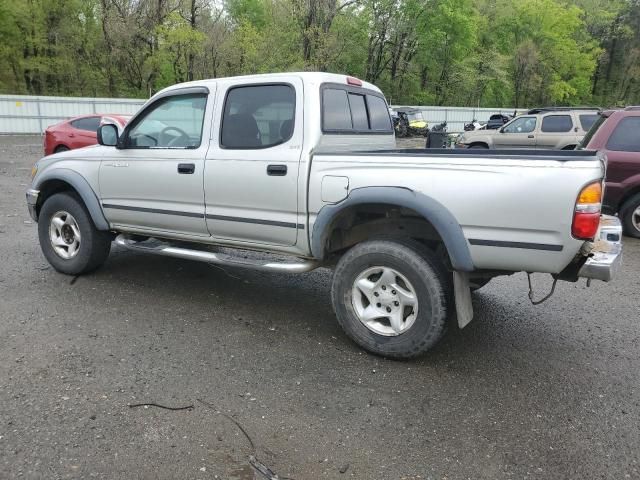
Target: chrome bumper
[
  {"x": 32, "y": 200},
  {"x": 605, "y": 257}
]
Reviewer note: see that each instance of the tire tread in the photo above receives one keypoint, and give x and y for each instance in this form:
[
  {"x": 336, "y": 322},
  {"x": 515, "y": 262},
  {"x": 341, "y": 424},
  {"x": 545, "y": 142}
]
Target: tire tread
[{"x": 423, "y": 261}]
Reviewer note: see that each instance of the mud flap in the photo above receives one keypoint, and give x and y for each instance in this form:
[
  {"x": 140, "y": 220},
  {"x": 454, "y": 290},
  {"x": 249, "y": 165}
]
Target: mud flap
[{"x": 462, "y": 292}]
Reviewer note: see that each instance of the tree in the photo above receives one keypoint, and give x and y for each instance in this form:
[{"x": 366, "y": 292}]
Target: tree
[
  {"x": 457, "y": 52},
  {"x": 552, "y": 61}
]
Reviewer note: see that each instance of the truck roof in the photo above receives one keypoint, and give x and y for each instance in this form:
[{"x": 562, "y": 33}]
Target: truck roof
[{"x": 307, "y": 77}]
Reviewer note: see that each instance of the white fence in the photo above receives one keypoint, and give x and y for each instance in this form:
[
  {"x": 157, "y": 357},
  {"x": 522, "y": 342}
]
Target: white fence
[
  {"x": 27, "y": 114},
  {"x": 21, "y": 114}
]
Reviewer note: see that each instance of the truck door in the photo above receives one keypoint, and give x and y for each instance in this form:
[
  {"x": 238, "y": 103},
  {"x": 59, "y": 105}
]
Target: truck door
[
  {"x": 251, "y": 173},
  {"x": 519, "y": 133},
  {"x": 153, "y": 180},
  {"x": 623, "y": 154}
]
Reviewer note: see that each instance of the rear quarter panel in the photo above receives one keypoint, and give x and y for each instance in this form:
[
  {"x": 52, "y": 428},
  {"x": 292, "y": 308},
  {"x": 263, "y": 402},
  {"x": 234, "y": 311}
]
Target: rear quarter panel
[{"x": 495, "y": 199}]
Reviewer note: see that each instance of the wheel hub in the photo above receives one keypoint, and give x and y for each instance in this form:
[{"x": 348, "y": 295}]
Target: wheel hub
[
  {"x": 64, "y": 235},
  {"x": 635, "y": 218},
  {"x": 384, "y": 301},
  {"x": 67, "y": 234}
]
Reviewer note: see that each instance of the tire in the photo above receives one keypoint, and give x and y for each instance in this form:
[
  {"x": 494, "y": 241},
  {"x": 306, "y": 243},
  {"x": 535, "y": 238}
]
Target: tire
[
  {"x": 61, "y": 148},
  {"x": 630, "y": 216},
  {"x": 62, "y": 217},
  {"x": 414, "y": 269},
  {"x": 479, "y": 146}
]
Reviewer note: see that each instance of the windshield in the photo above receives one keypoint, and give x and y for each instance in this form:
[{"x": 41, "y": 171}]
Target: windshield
[
  {"x": 592, "y": 131},
  {"x": 415, "y": 116}
]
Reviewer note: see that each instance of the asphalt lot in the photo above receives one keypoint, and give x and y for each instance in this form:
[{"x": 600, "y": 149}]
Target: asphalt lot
[{"x": 547, "y": 392}]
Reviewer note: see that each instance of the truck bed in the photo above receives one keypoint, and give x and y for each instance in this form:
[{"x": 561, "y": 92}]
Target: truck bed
[{"x": 515, "y": 207}]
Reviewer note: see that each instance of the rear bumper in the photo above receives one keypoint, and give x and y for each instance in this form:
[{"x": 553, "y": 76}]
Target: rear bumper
[
  {"x": 606, "y": 256},
  {"x": 32, "y": 201}
]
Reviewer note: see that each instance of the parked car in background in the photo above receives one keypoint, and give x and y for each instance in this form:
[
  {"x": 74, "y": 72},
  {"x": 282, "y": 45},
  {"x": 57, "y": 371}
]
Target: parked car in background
[
  {"x": 554, "y": 128},
  {"x": 617, "y": 134},
  {"x": 78, "y": 132},
  {"x": 496, "y": 121}
]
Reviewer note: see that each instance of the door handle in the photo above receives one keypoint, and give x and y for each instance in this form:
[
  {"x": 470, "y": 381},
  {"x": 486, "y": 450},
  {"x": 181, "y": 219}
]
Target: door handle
[
  {"x": 277, "y": 170},
  {"x": 186, "y": 168},
  {"x": 531, "y": 136}
]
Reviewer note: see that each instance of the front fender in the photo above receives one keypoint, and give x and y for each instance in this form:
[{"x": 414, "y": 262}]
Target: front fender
[
  {"x": 433, "y": 211},
  {"x": 81, "y": 186}
]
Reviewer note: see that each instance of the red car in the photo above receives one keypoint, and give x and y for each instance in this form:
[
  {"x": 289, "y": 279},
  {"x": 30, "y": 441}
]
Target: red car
[
  {"x": 78, "y": 131},
  {"x": 617, "y": 133}
]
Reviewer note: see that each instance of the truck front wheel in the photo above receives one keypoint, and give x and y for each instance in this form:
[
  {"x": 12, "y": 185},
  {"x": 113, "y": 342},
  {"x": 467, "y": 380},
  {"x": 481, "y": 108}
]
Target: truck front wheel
[
  {"x": 69, "y": 240},
  {"x": 390, "y": 297}
]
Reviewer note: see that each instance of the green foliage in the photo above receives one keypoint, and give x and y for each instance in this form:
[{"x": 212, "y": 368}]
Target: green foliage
[{"x": 455, "y": 52}]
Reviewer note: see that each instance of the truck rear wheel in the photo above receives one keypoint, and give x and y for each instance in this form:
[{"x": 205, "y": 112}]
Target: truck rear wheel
[
  {"x": 69, "y": 240},
  {"x": 390, "y": 297},
  {"x": 630, "y": 216}
]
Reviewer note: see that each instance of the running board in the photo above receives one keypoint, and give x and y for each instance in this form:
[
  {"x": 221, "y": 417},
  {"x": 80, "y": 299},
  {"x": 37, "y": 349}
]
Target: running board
[{"x": 169, "y": 250}]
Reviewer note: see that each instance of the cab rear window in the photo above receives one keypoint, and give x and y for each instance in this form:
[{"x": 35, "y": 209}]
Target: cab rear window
[{"x": 346, "y": 110}]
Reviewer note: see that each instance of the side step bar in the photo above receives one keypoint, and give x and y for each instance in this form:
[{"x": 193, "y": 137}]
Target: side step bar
[{"x": 169, "y": 250}]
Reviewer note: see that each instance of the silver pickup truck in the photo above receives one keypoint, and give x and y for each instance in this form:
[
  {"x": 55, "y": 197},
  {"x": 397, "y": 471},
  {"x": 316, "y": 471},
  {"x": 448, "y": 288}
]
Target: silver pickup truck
[{"x": 304, "y": 165}]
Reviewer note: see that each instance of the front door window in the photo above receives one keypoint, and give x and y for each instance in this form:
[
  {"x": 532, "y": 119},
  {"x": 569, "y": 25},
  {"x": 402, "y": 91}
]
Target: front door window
[
  {"x": 521, "y": 125},
  {"x": 172, "y": 122}
]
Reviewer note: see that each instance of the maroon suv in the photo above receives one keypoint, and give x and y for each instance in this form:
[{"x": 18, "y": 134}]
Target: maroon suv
[{"x": 617, "y": 133}]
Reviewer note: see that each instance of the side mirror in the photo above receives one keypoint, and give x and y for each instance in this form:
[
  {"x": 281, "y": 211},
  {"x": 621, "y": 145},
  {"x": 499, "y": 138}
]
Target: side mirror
[{"x": 108, "y": 135}]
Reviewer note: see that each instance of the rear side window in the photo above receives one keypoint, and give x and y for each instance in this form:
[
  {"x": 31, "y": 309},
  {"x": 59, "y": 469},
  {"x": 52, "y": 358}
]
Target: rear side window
[
  {"x": 346, "y": 111},
  {"x": 89, "y": 124},
  {"x": 557, "y": 123},
  {"x": 337, "y": 114},
  {"x": 378, "y": 114},
  {"x": 626, "y": 136},
  {"x": 587, "y": 121},
  {"x": 258, "y": 116}
]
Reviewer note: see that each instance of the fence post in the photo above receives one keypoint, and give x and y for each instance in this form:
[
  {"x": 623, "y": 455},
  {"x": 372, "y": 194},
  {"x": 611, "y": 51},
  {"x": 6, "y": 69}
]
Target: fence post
[{"x": 39, "y": 115}]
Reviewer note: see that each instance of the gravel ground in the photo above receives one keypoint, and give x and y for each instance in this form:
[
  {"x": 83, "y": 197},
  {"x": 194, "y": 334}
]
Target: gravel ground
[{"x": 547, "y": 392}]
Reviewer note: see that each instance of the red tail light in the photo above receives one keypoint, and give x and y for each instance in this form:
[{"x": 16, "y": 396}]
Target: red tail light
[
  {"x": 354, "y": 81},
  {"x": 586, "y": 217}
]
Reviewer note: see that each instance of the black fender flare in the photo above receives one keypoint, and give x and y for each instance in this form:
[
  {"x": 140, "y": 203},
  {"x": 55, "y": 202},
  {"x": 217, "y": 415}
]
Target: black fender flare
[
  {"x": 82, "y": 187},
  {"x": 433, "y": 211}
]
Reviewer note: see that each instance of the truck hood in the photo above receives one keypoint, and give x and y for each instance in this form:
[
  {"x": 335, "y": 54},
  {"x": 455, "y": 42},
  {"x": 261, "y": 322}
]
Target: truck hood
[{"x": 468, "y": 137}]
